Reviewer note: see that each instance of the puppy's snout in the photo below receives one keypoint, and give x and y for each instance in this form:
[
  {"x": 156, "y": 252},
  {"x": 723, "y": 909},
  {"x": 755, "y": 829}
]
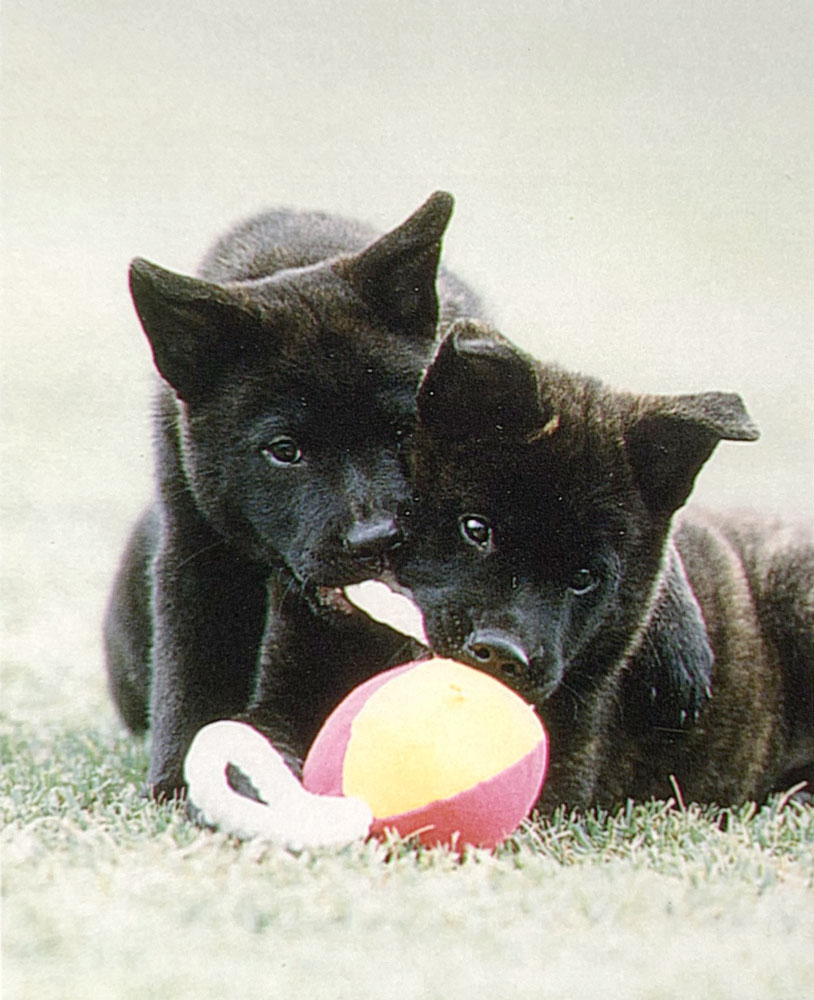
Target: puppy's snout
[
  {"x": 369, "y": 540},
  {"x": 497, "y": 652}
]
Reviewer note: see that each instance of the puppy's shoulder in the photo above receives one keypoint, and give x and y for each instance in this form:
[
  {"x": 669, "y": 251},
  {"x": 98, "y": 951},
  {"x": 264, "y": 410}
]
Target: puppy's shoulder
[{"x": 775, "y": 553}]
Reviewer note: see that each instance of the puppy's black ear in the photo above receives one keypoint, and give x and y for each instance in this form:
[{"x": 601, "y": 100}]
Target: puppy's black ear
[
  {"x": 479, "y": 382},
  {"x": 193, "y": 326},
  {"x": 396, "y": 275},
  {"x": 669, "y": 438}
]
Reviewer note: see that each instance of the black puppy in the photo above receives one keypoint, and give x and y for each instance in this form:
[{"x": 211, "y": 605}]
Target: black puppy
[
  {"x": 541, "y": 546},
  {"x": 291, "y": 367}
]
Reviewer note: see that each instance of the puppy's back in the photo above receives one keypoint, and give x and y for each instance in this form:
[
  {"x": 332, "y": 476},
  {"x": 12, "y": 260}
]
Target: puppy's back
[
  {"x": 778, "y": 559},
  {"x": 284, "y": 238},
  {"x": 764, "y": 601},
  {"x": 280, "y": 239}
]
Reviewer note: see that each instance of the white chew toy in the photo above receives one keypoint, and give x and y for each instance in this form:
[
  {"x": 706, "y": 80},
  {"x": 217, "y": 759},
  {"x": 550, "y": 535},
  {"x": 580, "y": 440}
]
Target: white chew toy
[
  {"x": 288, "y": 814},
  {"x": 291, "y": 816},
  {"x": 384, "y": 605}
]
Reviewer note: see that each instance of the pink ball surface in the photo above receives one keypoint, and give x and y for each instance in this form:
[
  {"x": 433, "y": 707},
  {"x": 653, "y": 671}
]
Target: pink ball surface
[{"x": 440, "y": 751}]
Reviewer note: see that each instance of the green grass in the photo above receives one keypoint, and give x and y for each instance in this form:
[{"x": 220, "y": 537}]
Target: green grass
[{"x": 109, "y": 895}]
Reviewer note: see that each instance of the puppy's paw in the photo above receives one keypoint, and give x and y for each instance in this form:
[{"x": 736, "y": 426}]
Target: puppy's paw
[{"x": 280, "y": 809}]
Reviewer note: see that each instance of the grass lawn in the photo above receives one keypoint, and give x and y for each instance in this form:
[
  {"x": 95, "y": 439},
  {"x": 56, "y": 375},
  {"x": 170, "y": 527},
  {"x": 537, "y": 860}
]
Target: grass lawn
[{"x": 107, "y": 895}]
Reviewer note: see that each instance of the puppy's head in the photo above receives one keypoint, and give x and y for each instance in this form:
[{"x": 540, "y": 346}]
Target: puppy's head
[
  {"x": 296, "y": 393},
  {"x": 542, "y": 504}
]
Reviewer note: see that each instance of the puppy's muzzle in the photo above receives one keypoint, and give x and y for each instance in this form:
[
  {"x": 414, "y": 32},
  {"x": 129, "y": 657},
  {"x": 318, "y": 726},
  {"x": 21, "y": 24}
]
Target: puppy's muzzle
[{"x": 498, "y": 653}]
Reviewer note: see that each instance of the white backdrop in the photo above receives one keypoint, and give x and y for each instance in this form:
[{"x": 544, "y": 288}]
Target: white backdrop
[{"x": 634, "y": 198}]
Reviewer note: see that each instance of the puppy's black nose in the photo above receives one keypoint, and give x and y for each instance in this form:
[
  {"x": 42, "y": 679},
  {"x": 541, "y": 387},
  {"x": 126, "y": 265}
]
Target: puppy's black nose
[
  {"x": 368, "y": 540},
  {"x": 497, "y": 652}
]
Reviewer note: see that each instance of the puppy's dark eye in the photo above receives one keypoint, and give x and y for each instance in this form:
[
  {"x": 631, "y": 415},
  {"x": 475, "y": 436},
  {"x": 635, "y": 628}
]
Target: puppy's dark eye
[
  {"x": 583, "y": 581},
  {"x": 475, "y": 530},
  {"x": 283, "y": 450}
]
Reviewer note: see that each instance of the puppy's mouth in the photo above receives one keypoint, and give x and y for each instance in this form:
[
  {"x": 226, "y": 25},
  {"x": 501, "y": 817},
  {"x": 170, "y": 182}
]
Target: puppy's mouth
[
  {"x": 334, "y": 598},
  {"x": 378, "y": 601}
]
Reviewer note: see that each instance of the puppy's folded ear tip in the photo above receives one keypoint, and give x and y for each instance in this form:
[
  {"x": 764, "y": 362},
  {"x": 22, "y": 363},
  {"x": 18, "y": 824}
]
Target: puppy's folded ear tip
[
  {"x": 746, "y": 429},
  {"x": 475, "y": 339},
  {"x": 465, "y": 326},
  {"x": 729, "y": 417}
]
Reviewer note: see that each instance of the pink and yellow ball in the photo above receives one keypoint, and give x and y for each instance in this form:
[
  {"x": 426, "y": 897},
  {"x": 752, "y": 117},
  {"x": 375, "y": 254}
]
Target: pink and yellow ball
[{"x": 438, "y": 750}]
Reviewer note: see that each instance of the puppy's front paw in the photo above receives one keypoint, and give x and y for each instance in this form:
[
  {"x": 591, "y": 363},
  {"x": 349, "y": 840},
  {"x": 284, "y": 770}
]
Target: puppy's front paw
[{"x": 282, "y": 810}]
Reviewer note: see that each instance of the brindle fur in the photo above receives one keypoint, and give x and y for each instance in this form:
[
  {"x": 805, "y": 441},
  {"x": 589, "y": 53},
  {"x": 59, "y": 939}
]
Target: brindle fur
[{"x": 690, "y": 662}]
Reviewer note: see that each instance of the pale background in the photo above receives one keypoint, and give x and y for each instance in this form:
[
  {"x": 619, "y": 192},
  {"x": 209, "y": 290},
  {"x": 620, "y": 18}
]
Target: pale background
[{"x": 634, "y": 198}]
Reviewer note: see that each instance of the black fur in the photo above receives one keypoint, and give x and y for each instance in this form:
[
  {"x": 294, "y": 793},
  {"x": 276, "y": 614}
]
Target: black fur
[
  {"x": 290, "y": 370},
  {"x": 541, "y": 545}
]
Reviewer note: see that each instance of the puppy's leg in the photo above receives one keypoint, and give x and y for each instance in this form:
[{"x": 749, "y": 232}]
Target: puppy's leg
[
  {"x": 209, "y": 614},
  {"x": 128, "y": 626}
]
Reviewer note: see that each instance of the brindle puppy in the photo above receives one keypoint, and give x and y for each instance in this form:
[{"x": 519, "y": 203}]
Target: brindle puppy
[{"x": 542, "y": 545}]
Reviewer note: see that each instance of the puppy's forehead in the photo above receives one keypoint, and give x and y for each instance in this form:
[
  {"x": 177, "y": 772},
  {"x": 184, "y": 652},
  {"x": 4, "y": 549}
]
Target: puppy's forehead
[
  {"x": 573, "y": 403},
  {"x": 332, "y": 369},
  {"x": 331, "y": 383},
  {"x": 311, "y": 313},
  {"x": 569, "y": 453}
]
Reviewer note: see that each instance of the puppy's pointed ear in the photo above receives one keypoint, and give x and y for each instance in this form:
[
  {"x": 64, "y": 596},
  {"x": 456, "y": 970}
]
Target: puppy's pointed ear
[
  {"x": 669, "y": 438},
  {"x": 396, "y": 275},
  {"x": 193, "y": 326},
  {"x": 479, "y": 382}
]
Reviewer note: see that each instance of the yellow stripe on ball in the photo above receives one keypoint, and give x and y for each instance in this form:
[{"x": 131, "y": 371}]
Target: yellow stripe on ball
[{"x": 433, "y": 732}]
